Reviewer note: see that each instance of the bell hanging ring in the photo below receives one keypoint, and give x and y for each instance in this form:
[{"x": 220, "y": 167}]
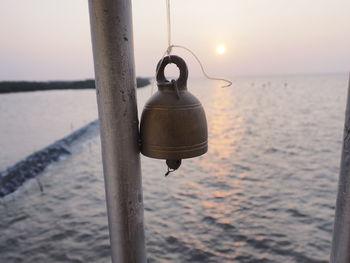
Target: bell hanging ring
[{"x": 173, "y": 123}]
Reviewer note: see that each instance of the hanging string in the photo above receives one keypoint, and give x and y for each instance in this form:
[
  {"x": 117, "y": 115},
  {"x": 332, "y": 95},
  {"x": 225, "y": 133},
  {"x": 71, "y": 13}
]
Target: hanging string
[
  {"x": 169, "y": 25},
  {"x": 170, "y": 49},
  {"x": 229, "y": 83}
]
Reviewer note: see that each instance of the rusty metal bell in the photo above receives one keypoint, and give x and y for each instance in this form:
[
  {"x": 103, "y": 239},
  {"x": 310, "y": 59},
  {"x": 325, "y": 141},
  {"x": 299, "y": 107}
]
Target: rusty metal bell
[{"x": 173, "y": 123}]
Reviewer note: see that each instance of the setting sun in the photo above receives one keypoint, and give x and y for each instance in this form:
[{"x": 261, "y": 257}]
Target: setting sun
[{"x": 220, "y": 49}]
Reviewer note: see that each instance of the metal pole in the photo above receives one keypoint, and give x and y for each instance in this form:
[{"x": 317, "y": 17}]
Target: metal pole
[
  {"x": 112, "y": 42},
  {"x": 341, "y": 232}
]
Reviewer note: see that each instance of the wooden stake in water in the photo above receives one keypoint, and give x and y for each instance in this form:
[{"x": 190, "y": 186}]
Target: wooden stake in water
[
  {"x": 341, "y": 232},
  {"x": 112, "y": 42}
]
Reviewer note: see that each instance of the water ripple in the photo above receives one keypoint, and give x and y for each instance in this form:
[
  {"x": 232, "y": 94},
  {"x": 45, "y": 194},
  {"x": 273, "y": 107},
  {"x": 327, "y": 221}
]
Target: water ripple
[{"x": 264, "y": 192}]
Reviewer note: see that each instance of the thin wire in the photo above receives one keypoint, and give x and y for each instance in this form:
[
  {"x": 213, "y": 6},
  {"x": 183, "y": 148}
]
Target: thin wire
[
  {"x": 169, "y": 24},
  {"x": 167, "y": 53},
  {"x": 168, "y": 50},
  {"x": 229, "y": 83},
  {"x": 171, "y": 46}
]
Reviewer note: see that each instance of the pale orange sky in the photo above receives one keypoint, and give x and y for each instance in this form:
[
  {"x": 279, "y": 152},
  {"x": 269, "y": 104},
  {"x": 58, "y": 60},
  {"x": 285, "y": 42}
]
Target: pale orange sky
[{"x": 50, "y": 40}]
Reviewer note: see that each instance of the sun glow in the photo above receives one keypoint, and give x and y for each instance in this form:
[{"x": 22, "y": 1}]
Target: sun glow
[{"x": 220, "y": 49}]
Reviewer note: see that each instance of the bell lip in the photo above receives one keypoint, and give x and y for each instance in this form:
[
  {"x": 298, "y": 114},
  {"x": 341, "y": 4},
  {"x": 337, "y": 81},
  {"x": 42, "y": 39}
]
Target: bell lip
[{"x": 174, "y": 154}]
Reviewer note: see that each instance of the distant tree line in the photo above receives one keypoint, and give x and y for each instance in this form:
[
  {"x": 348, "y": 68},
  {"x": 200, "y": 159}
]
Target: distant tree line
[{"x": 25, "y": 86}]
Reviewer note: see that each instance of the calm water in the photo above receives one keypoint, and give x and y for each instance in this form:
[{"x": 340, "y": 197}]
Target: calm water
[
  {"x": 29, "y": 121},
  {"x": 265, "y": 191}
]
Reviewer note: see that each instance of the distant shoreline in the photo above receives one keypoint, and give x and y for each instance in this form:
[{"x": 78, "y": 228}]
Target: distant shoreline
[{"x": 27, "y": 86}]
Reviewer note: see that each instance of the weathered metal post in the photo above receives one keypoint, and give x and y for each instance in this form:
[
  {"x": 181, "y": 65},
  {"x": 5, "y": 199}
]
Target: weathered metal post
[
  {"x": 341, "y": 232},
  {"x": 112, "y": 41}
]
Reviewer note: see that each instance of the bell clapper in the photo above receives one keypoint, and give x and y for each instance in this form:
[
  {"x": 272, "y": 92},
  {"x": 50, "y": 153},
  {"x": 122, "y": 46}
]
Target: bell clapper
[
  {"x": 169, "y": 171},
  {"x": 173, "y": 165}
]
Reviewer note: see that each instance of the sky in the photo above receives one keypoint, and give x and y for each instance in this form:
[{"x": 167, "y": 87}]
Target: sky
[{"x": 50, "y": 39}]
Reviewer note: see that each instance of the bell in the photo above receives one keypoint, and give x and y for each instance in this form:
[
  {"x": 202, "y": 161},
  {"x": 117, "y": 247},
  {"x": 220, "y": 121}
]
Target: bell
[{"x": 173, "y": 123}]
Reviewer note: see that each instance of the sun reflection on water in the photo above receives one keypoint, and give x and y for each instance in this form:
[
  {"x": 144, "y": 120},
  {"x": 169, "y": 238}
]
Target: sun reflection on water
[{"x": 223, "y": 127}]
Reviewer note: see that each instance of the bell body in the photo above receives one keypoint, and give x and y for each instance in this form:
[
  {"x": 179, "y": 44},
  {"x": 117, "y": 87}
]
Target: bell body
[
  {"x": 173, "y": 123},
  {"x": 173, "y": 128}
]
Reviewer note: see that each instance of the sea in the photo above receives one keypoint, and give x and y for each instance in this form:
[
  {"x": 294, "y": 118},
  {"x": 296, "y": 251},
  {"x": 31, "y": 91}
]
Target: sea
[{"x": 264, "y": 192}]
